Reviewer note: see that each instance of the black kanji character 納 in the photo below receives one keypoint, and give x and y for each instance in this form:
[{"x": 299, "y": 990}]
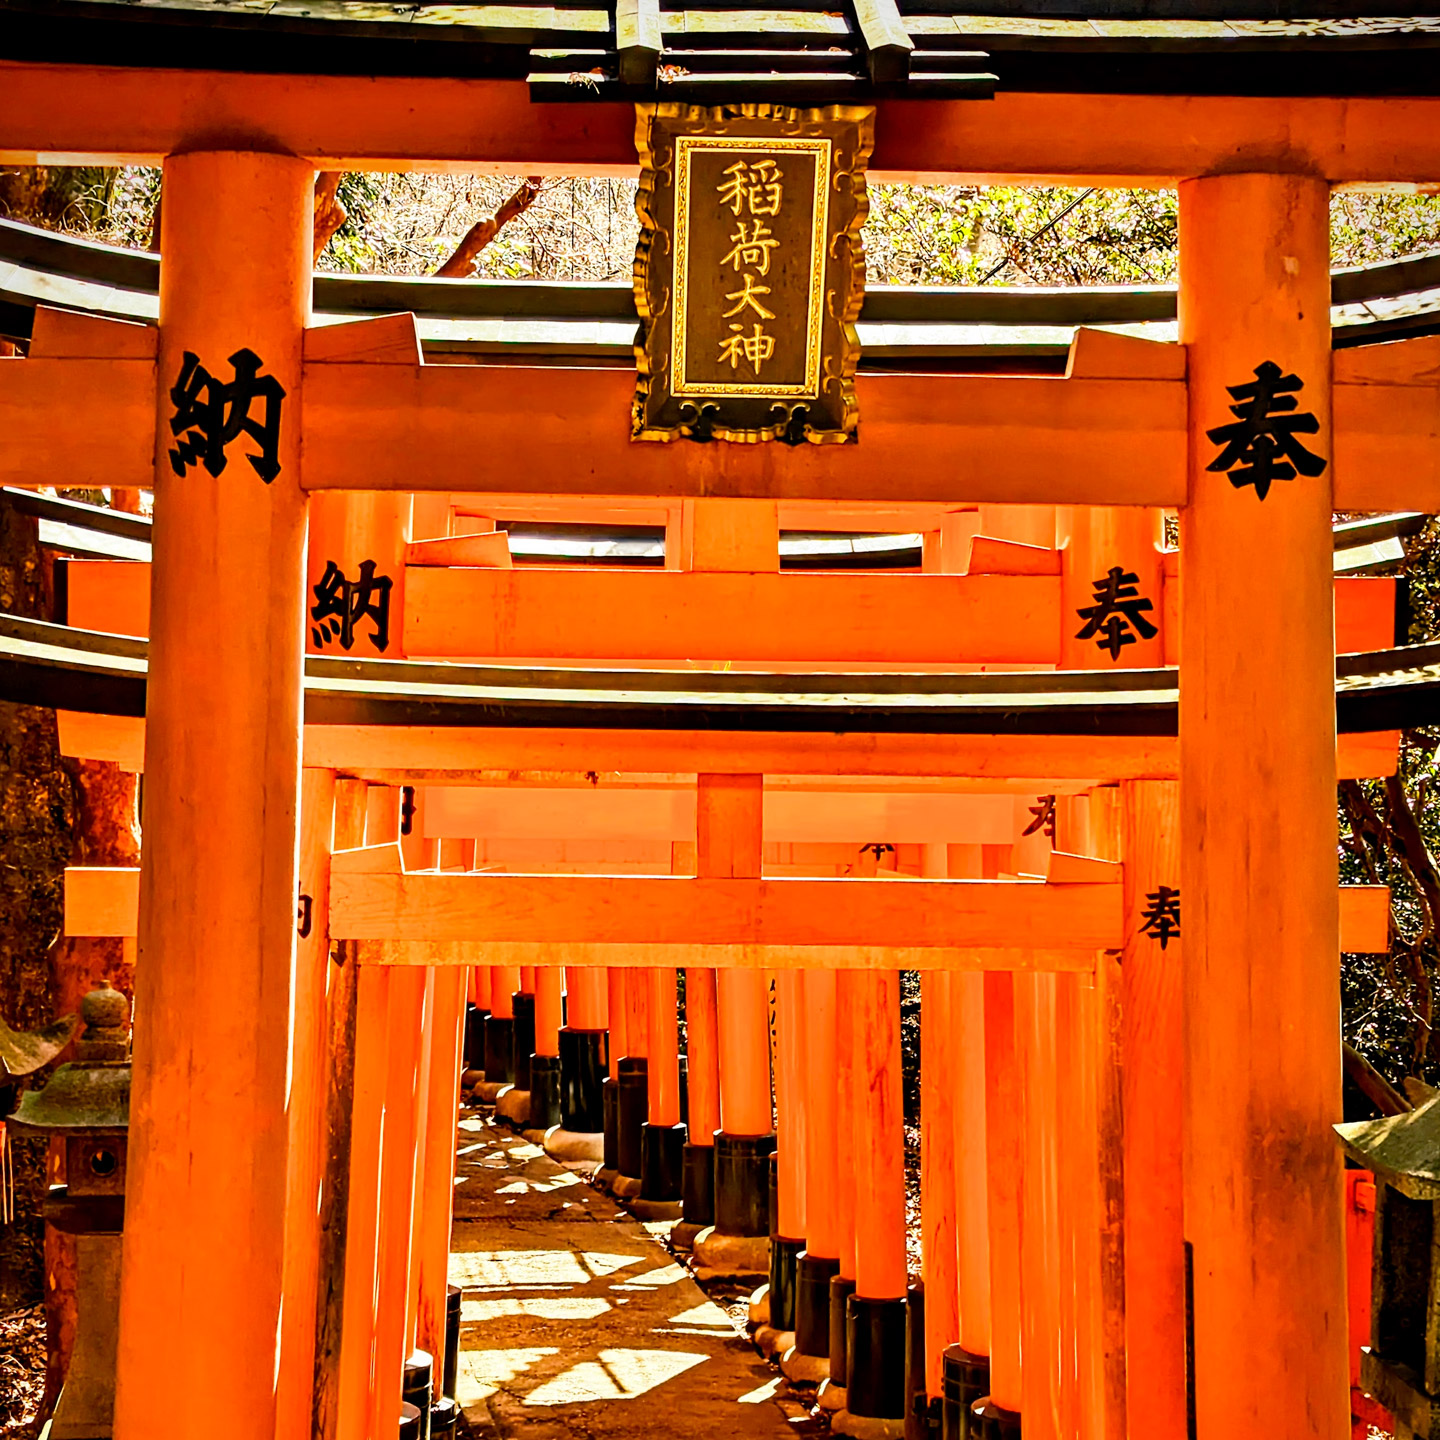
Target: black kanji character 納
[
  {"x": 1044, "y": 813},
  {"x": 341, "y": 604},
  {"x": 1162, "y": 915},
  {"x": 1117, "y": 613},
  {"x": 210, "y": 413},
  {"x": 1261, "y": 439}
]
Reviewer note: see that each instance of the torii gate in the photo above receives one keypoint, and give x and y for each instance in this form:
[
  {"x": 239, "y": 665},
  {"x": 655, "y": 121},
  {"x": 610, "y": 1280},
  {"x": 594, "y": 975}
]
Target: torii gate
[{"x": 217, "y": 893}]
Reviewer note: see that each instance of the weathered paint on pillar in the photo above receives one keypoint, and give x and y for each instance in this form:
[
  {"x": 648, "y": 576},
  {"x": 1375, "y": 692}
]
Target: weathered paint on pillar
[
  {"x": 1263, "y": 1198},
  {"x": 222, "y": 750},
  {"x": 1153, "y": 1079}
]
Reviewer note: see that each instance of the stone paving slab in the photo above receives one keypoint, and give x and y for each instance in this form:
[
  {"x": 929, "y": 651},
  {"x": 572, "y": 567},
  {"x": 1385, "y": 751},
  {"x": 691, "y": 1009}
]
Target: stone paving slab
[{"x": 576, "y": 1321}]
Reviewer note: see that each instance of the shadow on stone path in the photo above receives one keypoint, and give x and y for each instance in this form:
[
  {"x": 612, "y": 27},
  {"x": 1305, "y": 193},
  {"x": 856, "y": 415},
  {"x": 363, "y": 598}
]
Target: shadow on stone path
[{"x": 576, "y": 1323}]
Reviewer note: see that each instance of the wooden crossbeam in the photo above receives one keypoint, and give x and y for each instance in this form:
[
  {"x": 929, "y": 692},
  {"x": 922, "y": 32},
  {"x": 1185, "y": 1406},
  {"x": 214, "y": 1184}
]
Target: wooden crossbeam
[
  {"x": 416, "y": 754},
  {"x": 464, "y": 607},
  {"x": 630, "y": 920},
  {"x": 89, "y": 114}
]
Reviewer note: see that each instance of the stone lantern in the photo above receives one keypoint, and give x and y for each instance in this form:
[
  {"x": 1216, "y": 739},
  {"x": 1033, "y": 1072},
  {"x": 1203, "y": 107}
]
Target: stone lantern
[
  {"x": 1401, "y": 1368},
  {"x": 87, "y": 1104}
]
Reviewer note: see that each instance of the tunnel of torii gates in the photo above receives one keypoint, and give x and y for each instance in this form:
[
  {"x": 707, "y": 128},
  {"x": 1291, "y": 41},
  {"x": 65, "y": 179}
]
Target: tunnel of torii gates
[{"x": 1118, "y": 1128}]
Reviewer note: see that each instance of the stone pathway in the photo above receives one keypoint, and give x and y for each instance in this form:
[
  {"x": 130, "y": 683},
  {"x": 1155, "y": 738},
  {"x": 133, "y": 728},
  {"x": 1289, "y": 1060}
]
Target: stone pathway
[{"x": 576, "y": 1323}]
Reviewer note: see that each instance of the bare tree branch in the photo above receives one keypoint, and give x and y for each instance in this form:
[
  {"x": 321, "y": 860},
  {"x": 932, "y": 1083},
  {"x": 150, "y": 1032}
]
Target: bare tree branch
[
  {"x": 330, "y": 214},
  {"x": 461, "y": 264}
]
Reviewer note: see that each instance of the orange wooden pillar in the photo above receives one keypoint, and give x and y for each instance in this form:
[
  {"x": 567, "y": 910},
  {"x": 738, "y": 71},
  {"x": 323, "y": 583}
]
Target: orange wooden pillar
[
  {"x": 1005, "y": 1135},
  {"x": 436, "y": 1198},
  {"x": 616, "y": 1045},
  {"x": 409, "y": 991},
  {"x": 662, "y": 1137},
  {"x": 939, "y": 1249},
  {"x": 545, "y": 1058},
  {"x": 500, "y": 1031},
  {"x": 792, "y": 1137},
  {"x": 632, "y": 1095},
  {"x": 875, "y": 1313},
  {"x": 702, "y": 1070},
  {"x": 819, "y": 1263},
  {"x": 295, "y": 1382},
  {"x": 847, "y": 1104},
  {"x": 349, "y": 1417},
  {"x": 729, "y": 813},
  {"x": 523, "y": 1015},
  {"x": 1263, "y": 1196},
  {"x": 582, "y": 1051},
  {"x": 209, "y": 1116},
  {"x": 966, "y": 1363},
  {"x": 1153, "y": 1080}
]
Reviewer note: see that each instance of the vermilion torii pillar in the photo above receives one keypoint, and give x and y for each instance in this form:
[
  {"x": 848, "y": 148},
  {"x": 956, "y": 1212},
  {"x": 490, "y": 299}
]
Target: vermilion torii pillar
[
  {"x": 1263, "y": 1202},
  {"x": 218, "y": 887}
]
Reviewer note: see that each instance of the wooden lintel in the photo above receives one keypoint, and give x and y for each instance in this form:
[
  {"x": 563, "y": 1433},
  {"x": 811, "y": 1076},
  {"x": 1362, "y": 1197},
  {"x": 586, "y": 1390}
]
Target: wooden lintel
[
  {"x": 531, "y": 915},
  {"x": 102, "y": 114},
  {"x": 77, "y": 421},
  {"x": 666, "y": 910},
  {"x": 463, "y": 600},
  {"x": 935, "y": 438},
  {"x": 455, "y": 755},
  {"x": 595, "y": 614}
]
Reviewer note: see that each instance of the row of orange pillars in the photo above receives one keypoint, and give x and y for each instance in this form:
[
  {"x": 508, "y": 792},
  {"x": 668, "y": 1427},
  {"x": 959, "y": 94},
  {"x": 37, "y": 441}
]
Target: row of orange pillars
[{"x": 776, "y": 1144}]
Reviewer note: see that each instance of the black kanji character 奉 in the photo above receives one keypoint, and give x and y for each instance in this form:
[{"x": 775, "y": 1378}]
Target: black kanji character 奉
[
  {"x": 1261, "y": 440},
  {"x": 1162, "y": 915},
  {"x": 1044, "y": 813},
  {"x": 1118, "y": 611},
  {"x": 210, "y": 413},
  {"x": 341, "y": 604}
]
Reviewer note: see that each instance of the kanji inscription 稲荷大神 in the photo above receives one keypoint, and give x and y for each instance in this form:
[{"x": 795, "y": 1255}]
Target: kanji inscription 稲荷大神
[{"x": 749, "y": 272}]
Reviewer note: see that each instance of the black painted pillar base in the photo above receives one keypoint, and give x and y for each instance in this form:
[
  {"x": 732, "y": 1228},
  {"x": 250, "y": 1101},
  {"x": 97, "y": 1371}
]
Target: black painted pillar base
[
  {"x": 917, "y": 1408},
  {"x": 499, "y": 1050},
  {"x": 875, "y": 1360},
  {"x": 524, "y": 1037},
  {"x": 784, "y": 1253},
  {"x": 450, "y": 1371},
  {"x": 813, "y": 1274},
  {"x": 610, "y": 1103},
  {"x": 841, "y": 1290},
  {"x": 964, "y": 1379},
  {"x": 993, "y": 1422},
  {"x": 662, "y": 1161},
  {"x": 418, "y": 1385},
  {"x": 582, "y": 1073},
  {"x": 742, "y": 1183},
  {"x": 697, "y": 1185},
  {"x": 475, "y": 1019},
  {"x": 544, "y": 1091},
  {"x": 633, "y": 1100}
]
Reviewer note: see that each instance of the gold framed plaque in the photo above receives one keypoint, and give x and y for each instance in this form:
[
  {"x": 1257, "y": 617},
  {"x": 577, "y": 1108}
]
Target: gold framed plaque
[{"x": 750, "y": 271}]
